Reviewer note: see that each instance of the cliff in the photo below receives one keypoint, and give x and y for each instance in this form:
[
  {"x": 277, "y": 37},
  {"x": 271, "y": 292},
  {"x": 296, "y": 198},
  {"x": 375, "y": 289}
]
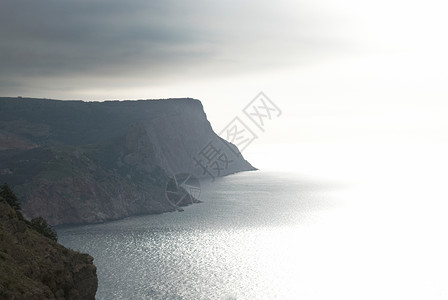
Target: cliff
[
  {"x": 85, "y": 162},
  {"x": 34, "y": 267}
]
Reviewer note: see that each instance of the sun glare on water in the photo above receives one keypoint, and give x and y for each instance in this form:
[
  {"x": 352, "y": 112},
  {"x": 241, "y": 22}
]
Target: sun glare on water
[{"x": 384, "y": 236}]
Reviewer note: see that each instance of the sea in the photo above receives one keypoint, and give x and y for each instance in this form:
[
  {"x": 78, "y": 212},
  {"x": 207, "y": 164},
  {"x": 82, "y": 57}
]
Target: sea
[{"x": 350, "y": 223}]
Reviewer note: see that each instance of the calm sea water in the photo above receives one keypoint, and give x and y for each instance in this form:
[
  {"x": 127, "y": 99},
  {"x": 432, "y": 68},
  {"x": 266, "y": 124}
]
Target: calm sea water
[
  {"x": 238, "y": 244},
  {"x": 277, "y": 235}
]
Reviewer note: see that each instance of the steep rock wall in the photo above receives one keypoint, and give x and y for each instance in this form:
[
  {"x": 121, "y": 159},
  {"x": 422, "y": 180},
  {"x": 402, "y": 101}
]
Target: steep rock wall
[{"x": 85, "y": 162}]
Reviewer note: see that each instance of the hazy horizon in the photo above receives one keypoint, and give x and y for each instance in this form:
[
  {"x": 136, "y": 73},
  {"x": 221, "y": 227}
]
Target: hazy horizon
[{"x": 351, "y": 72}]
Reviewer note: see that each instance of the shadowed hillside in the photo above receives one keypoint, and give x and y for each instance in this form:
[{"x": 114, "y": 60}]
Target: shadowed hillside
[{"x": 33, "y": 266}]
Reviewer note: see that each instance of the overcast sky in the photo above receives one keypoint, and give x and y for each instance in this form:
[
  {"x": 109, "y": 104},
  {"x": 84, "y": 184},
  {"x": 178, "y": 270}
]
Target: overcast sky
[
  {"x": 95, "y": 44},
  {"x": 341, "y": 71}
]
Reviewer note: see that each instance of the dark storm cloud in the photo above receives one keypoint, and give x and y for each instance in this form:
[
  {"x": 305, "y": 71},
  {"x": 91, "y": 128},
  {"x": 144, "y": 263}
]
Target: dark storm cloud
[
  {"x": 53, "y": 37},
  {"x": 112, "y": 39}
]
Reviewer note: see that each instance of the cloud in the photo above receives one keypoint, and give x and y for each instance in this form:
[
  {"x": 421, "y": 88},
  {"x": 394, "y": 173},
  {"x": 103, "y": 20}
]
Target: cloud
[{"x": 48, "y": 40}]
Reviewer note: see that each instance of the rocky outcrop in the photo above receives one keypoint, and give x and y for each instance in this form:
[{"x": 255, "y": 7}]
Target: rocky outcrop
[
  {"x": 86, "y": 162},
  {"x": 35, "y": 267}
]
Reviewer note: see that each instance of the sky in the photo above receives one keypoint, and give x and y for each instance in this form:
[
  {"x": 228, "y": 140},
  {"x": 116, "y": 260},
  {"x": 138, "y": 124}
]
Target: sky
[{"x": 341, "y": 72}]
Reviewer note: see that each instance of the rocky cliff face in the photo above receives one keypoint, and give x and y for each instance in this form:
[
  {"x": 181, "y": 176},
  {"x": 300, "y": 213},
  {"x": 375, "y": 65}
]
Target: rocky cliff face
[
  {"x": 85, "y": 162},
  {"x": 35, "y": 267}
]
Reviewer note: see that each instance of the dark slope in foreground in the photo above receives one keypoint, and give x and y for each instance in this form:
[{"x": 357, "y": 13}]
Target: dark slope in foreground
[
  {"x": 34, "y": 267},
  {"x": 84, "y": 162}
]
